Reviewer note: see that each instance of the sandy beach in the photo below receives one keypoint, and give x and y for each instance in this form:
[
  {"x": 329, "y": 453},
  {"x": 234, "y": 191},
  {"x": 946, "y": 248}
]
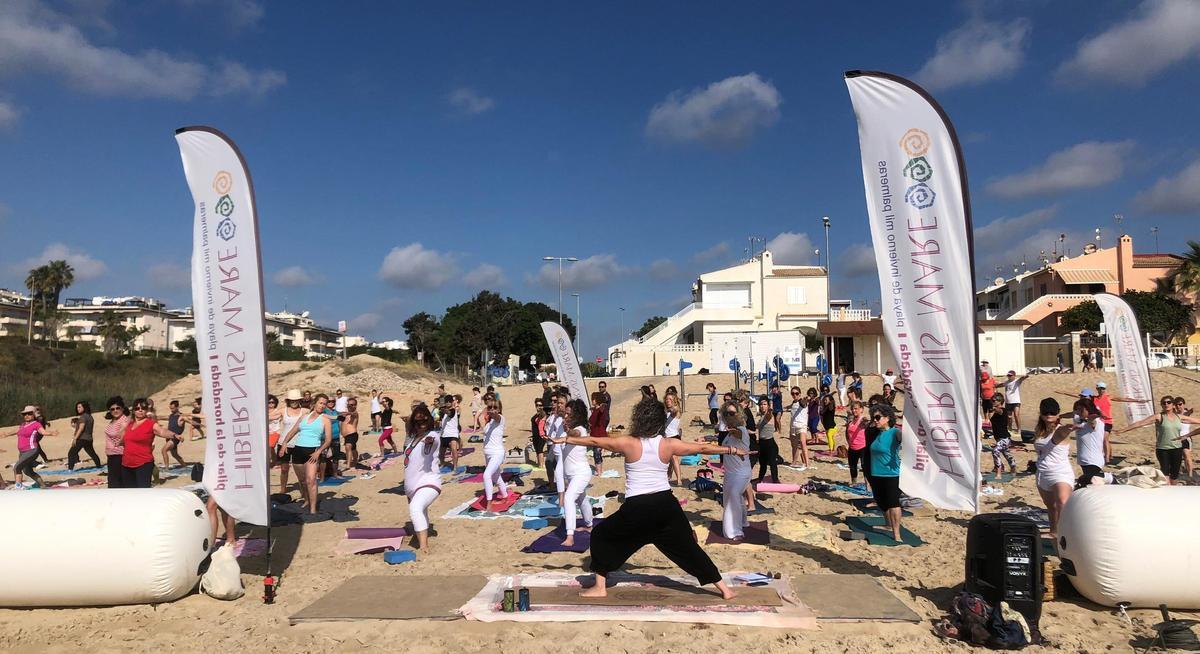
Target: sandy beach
[{"x": 923, "y": 578}]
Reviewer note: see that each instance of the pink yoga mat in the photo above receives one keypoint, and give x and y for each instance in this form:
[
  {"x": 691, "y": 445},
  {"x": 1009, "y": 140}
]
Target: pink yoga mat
[
  {"x": 777, "y": 488},
  {"x": 498, "y": 505},
  {"x": 369, "y": 546},
  {"x": 375, "y": 532}
]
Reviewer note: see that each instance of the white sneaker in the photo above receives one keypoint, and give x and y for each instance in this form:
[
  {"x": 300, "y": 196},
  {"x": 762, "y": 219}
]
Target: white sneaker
[{"x": 39, "y": 466}]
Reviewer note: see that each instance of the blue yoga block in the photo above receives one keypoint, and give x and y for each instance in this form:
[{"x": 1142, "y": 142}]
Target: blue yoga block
[
  {"x": 535, "y": 523},
  {"x": 542, "y": 512},
  {"x": 399, "y": 556}
]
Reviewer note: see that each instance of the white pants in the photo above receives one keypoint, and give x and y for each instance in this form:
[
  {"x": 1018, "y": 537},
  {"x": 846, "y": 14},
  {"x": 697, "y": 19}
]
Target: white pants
[
  {"x": 418, "y": 507},
  {"x": 734, "y": 520},
  {"x": 842, "y": 396},
  {"x": 560, "y": 472},
  {"x": 492, "y": 476},
  {"x": 576, "y": 501}
]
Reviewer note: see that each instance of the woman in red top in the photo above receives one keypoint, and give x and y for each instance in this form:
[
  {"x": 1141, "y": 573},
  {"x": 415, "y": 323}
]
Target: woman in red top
[
  {"x": 598, "y": 427},
  {"x": 137, "y": 462}
]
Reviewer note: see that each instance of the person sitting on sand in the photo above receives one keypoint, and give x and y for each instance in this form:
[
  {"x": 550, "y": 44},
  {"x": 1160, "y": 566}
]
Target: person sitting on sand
[
  {"x": 650, "y": 513},
  {"x": 422, "y": 476},
  {"x": 1055, "y": 477},
  {"x": 884, "y": 474},
  {"x": 577, "y": 471}
]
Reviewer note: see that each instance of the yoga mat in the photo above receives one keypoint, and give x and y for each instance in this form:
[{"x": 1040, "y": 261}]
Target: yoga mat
[
  {"x": 361, "y": 598},
  {"x": 246, "y": 547},
  {"x": 76, "y": 471},
  {"x": 369, "y": 545},
  {"x": 851, "y": 489},
  {"x": 850, "y": 598},
  {"x": 478, "y": 479},
  {"x": 756, "y": 534},
  {"x": 375, "y": 532},
  {"x": 552, "y": 541},
  {"x": 765, "y": 487},
  {"x": 1004, "y": 478},
  {"x": 498, "y": 505},
  {"x": 868, "y": 526},
  {"x": 335, "y": 481},
  {"x": 867, "y": 505},
  {"x": 660, "y": 596},
  {"x": 463, "y": 451}
]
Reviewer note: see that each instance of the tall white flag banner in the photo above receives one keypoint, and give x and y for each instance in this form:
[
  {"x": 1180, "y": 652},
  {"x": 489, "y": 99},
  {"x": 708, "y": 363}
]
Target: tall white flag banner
[
  {"x": 920, "y": 221},
  {"x": 566, "y": 361},
  {"x": 227, "y": 302},
  {"x": 1133, "y": 376}
]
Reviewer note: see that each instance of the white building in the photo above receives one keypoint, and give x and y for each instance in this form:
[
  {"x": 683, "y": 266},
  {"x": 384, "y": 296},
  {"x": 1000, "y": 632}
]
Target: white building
[{"x": 751, "y": 297}]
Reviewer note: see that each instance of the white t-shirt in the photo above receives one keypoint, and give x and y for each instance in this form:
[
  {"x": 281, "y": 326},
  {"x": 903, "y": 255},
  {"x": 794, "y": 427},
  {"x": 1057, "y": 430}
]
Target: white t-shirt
[
  {"x": 493, "y": 436},
  {"x": 376, "y": 407},
  {"x": 672, "y": 428},
  {"x": 575, "y": 456},
  {"x": 340, "y": 404},
  {"x": 890, "y": 380},
  {"x": 554, "y": 429},
  {"x": 1090, "y": 443},
  {"x": 1012, "y": 391},
  {"x": 449, "y": 426},
  {"x": 800, "y": 415}
]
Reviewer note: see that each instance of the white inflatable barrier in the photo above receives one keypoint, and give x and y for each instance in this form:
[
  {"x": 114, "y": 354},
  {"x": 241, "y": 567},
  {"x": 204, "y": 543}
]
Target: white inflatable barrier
[
  {"x": 100, "y": 547},
  {"x": 1123, "y": 544}
]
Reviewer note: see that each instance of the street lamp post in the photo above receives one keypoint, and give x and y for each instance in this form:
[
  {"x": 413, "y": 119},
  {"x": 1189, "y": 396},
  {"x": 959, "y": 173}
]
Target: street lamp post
[
  {"x": 828, "y": 306},
  {"x": 578, "y": 323},
  {"x": 560, "y": 263}
]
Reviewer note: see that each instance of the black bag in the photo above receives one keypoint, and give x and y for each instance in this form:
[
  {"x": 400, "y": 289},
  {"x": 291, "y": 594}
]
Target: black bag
[{"x": 198, "y": 472}]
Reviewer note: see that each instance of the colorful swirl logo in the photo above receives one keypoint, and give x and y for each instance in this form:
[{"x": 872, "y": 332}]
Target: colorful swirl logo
[
  {"x": 223, "y": 183},
  {"x": 918, "y": 169},
  {"x": 915, "y": 142},
  {"x": 226, "y": 229},
  {"x": 920, "y": 196},
  {"x": 224, "y": 206}
]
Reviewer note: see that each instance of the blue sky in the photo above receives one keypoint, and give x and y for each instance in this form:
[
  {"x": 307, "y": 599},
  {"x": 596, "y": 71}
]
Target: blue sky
[{"x": 406, "y": 156}]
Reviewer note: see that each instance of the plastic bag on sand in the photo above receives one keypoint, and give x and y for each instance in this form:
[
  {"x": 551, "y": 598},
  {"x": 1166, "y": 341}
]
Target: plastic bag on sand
[{"x": 223, "y": 580}]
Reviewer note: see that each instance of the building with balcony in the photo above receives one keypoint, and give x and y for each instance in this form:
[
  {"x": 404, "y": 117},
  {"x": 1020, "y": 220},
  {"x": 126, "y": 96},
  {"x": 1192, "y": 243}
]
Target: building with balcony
[
  {"x": 755, "y": 296},
  {"x": 14, "y": 313},
  {"x": 1040, "y": 296}
]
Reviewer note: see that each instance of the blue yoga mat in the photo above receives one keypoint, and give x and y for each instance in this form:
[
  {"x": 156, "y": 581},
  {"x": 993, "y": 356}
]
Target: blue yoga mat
[{"x": 65, "y": 473}]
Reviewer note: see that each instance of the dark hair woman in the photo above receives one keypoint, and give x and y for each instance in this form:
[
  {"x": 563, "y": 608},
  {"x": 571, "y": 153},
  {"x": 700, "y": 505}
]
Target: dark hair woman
[
  {"x": 114, "y": 440},
  {"x": 422, "y": 474},
  {"x": 884, "y": 475},
  {"x": 1168, "y": 430},
  {"x": 1055, "y": 477},
  {"x": 84, "y": 424},
  {"x": 138, "y": 457},
  {"x": 768, "y": 448},
  {"x": 650, "y": 514}
]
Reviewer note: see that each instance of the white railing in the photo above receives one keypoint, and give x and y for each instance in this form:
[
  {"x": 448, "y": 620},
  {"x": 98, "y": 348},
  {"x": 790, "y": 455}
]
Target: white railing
[
  {"x": 850, "y": 315},
  {"x": 663, "y": 325}
]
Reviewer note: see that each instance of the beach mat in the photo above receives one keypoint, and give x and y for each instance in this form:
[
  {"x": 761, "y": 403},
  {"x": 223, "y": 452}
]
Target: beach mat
[
  {"x": 244, "y": 548},
  {"x": 478, "y": 478},
  {"x": 856, "y": 490},
  {"x": 663, "y": 596},
  {"x": 375, "y": 532},
  {"x": 756, "y": 535},
  {"x": 365, "y": 598},
  {"x": 850, "y": 598},
  {"x": 867, "y": 525},
  {"x": 552, "y": 541},
  {"x": 498, "y": 505},
  {"x": 1004, "y": 478},
  {"x": 867, "y": 505},
  {"x": 334, "y": 481},
  {"x": 369, "y": 545},
  {"x": 643, "y": 598},
  {"x": 76, "y": 471}
]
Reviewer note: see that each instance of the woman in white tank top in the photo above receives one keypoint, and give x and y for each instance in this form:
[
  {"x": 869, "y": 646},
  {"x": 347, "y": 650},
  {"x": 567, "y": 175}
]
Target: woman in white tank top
[
  {"x": 291, "y": 415},
  {"x": 578, "y": 472},
  {"x": 651, "y": 514},
  {"x": 1055, "y": 476}
]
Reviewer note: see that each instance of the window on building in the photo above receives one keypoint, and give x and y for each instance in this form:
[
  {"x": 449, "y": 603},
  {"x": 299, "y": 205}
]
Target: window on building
[
  {"x": 1042, "y": 289},
  {"x": 796, "y": 295}
]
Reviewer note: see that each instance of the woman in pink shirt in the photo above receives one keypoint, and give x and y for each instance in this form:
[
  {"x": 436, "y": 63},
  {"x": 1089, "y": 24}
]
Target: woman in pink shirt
[
  {"x": 856, "y": 440},
  {"x": 28, "y": 435},
  {"x": 114, "y": 440}
]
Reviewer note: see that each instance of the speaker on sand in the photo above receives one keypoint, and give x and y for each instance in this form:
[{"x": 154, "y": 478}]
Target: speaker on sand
[{"x": 1004, "y": 562}]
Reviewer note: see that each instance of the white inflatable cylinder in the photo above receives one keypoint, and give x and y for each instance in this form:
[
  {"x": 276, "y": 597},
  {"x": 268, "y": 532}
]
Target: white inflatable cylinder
[
  {"x": 1134, "y": 545},
  {"x": 100, "y": 547}
]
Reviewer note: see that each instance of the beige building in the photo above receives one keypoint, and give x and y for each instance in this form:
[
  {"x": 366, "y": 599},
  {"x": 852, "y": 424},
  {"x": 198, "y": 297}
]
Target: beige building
[{"x": 751, "y": 297}]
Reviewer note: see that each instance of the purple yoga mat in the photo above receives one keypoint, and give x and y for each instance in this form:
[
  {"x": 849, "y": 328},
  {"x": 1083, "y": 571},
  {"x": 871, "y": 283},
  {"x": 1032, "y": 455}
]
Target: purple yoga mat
[
  {"x": 354, "y": 533},
  {"x": 552, "y": 541},
  {"x": 755, "y": 534}
]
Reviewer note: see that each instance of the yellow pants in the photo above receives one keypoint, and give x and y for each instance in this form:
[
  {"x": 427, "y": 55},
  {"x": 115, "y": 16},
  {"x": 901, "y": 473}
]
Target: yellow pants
[{"x": 829, "y": 434}]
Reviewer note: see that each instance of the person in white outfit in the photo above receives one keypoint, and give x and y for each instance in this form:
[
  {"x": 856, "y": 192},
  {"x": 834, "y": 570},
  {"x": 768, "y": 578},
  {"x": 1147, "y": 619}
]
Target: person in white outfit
[
  {"x": 555, "y": 430},
  {"x": 422, "y": 477},
  {"x": 577, "y": 470},
  {"x": 737, "y": 473},
  {"x": 651, "y": 513},
  {"x": 493, "y": 450},
  {"x": 1055, "y": 477}
]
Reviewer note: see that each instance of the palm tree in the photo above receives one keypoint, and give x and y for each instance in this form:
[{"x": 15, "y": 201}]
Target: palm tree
[
  {"x": 1185, "y": 280},
  {"x": 59, "y": 276},
  {"x": 36, "y": 282}
]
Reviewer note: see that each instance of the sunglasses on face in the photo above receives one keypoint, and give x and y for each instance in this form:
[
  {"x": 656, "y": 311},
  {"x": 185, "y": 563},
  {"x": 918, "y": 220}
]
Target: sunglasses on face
[
  {"x": 116, "y": 408},
  {"x": 876, "y": 417}
]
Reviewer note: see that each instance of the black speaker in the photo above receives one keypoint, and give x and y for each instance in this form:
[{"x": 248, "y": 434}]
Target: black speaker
[{"x": 1004, "y": 562}]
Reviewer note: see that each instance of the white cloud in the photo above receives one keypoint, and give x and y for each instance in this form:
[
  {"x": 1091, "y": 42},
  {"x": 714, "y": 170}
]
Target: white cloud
[
  {"x": 792, "y": 248},
  {"x": 856, "y": 261},
  {"x": 85, "y": 265},
  {"x": 976, "y": 52},
  {"x": 1001, "y": 230},
  {"x": 1160, "y": 35},
  {"x": 663, "y": 269},
  {"x": 8, "y": 115},
  {"x": 726, "y": 114},
  {"x": 719, "y": 250},
  {"x": 1177, "y": 194},
  {"x": 169, "y": 276},
  {"x": 293, "y": 277},
  {"x": 485, "y": 275},
  {"x": 36, "y": 40},
  {"x": 412, "y": 266},
  {"x": 583, "y": 275},
  {"x": 365, "y": 322},
  {"x": 1085, "y": 165},
  {"x": 470, "y": 102}
]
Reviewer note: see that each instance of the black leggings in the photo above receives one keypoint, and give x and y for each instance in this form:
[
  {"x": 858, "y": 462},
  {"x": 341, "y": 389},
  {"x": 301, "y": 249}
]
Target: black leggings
[
  {"x": 24, "y": 466},
  {"x": 116, "y": 472},
  {"x": 855, "y": 456},
  {"x": 655, "y": 519},
  {"x": 42, "y": 453},
  {"x": 73, "y": 453},
  {"x": 139, "y": 477},
  {"x": 768, "y": 453},
  {"x": 1169, "y": 461},
  {"x": 712, "y": 417}
]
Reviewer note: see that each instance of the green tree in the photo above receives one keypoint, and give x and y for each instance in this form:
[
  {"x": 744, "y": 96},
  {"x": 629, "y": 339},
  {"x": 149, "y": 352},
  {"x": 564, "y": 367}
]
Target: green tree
[
  {"x": 59, "y": 276},
  {"x": 115, "y": 335},
  {"x": 649, "y": 325},
  {"x": 1161, "y": 315},
  {"x": 592, "y": 369},
  {"x": 421, "y": 328},
  {"x": 1184, "y": 280},
  {"x": 1085, "y": 316},
  {"x": 37, "y": 281},
  {"x": 279, "y": 351}
]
